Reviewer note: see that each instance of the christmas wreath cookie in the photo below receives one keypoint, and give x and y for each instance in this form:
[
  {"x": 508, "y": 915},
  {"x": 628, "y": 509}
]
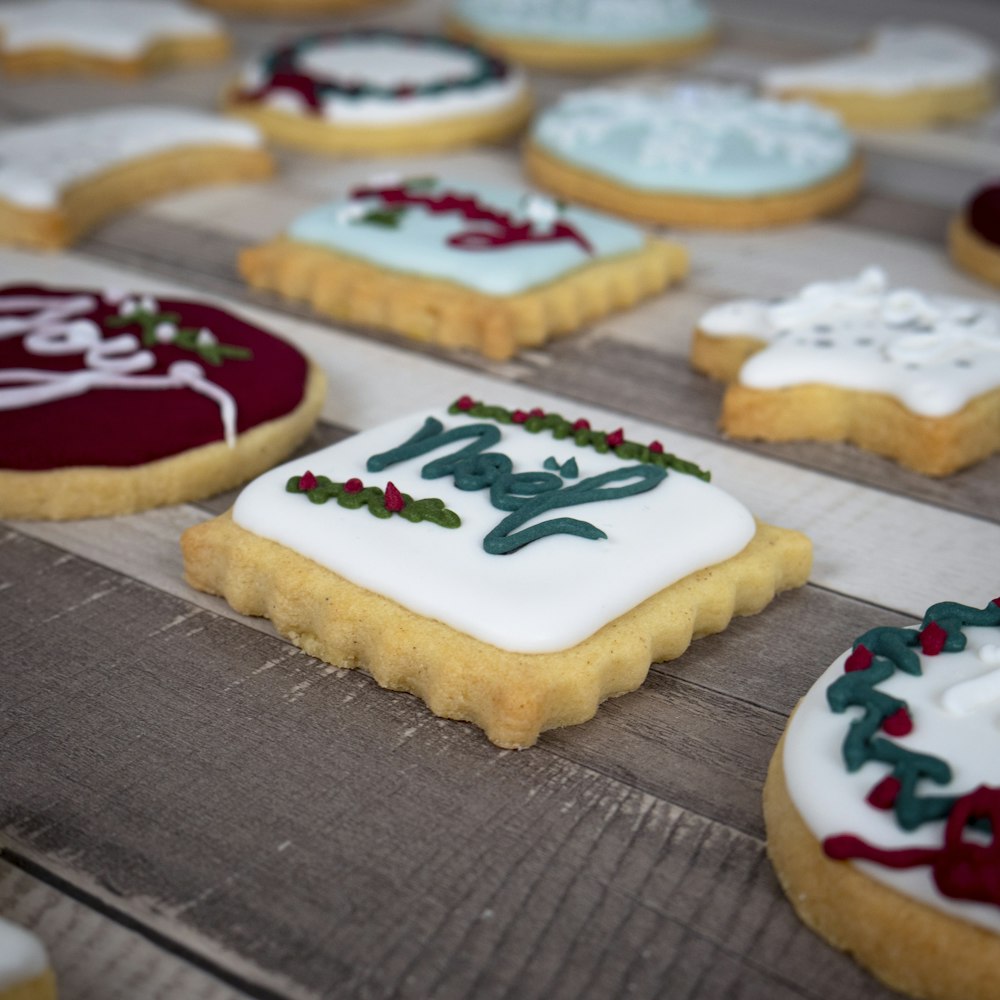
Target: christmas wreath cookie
[
  {"x": 974, "y": 235},
  {"x": 61, "y": 177},
  {"x": 25, "y": 973},
  {"x": 911, "y": 376},
  {"x": 906, "y": 77},
  {"x": 462, "y": 264},
  {"x": 123, "y": 38},
  {"x": 113, "y": 403},
  {"x": 373, "y": 91},
  {"x": 588, "y": 35},
  {"x": 512, "y": 568},
  {"x": 695, "y": 155},
  {"x": 882, "y": 804}
]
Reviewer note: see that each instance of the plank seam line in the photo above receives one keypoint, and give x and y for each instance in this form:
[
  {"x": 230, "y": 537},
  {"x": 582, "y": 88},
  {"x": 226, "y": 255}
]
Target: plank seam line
[{"x": 130, "y": 923}]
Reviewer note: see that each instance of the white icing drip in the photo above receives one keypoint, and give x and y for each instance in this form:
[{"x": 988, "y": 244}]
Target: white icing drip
[
  {"x": 934, "y": 353},
  {"x": 832, "y": 801},
  {"x": 118, "y": 29},
  {"x": 38, "y": 161},
  {"x": 386, "y": 64},
  {"x": 897, "y": 60},
  {"x": 22, "y": 955},
  {"x": 55, "y": 329},
  {"x": 545, "y": 597}
]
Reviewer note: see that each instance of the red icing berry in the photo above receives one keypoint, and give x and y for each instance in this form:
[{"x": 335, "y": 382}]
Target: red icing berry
[
  {"x": 353, "y": 486},
  {"x": 615, "y": 438},
  {"x": 656, "y": 448},
  {"x": 307, "y": 482},
  {"x": 996, "y": 600},
  {"x": 932, "y": 639},
  {"x": 899, "y": 723},
  {"x": 519, "y": 416},
  {"x": 465, "y": 403},
  {"x": 536, "y": 412},
  {"x": 885, "y": 793},
  {"x": 393, "y": 499},
  {"x": 581, "y": 425},
  {"x": 860, "y": 659}
]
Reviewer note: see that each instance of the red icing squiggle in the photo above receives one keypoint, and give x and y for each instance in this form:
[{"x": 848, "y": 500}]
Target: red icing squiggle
[
  {"x": 125, "y": 427},
  {"x": 499, "y": 230}
]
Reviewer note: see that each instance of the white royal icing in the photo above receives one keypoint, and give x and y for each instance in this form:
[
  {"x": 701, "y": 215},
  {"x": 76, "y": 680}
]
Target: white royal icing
[
  {"x": 117, "y": 29},
  {"x": 419, "y": 243},
  {"x": 54, "y": 326},
  {"x": 548, "y": 595},
  {"x": 932, "y": 352},
  {"x": 605, "y": 22},
  {"x": 22, "y": 955},
  {"x": 40, "y": 160},
  {"x": 382, "y": 61},
  {"x": 898, "y": 59},
  {"x": 701, "y": 139},
  {"x": 831, "y": 800}
]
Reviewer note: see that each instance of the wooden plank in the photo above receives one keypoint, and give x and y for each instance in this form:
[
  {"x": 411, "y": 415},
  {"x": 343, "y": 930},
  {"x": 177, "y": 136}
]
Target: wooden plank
[
  {"x": 95, "y": 958},
  {"x": 214, "y": 781}
]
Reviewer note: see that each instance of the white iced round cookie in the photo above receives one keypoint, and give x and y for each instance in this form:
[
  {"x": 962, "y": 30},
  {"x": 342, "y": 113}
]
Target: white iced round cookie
[
  {"x": 896, "y": 60},
  {"x": 544, "y": 595},
  {"x": 115, "y": 29},
  {"x": 932, "y": 718},
  {"x": 40, "y": 160},
  {"x": 22, "y": 957},
  {"x": 933, "y": 353},
  {"x": 380, "y": 77}
]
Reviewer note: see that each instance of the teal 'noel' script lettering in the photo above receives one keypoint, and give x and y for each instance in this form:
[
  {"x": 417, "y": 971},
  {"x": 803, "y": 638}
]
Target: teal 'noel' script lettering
[{"x": 525, "y": 495}]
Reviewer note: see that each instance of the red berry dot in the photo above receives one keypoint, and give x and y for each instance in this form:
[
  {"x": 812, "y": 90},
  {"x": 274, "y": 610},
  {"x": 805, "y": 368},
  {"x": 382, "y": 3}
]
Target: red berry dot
[
  {"x": 656, "y": 448},
  {"x": 898, "y": 724},
  {"x": 860, "y": 659},
  {"x": 932, "y": 639},
  {"x": 616, "y": 438},
  {"x": 519, "y": 416},
  {"x": 393, "y": 498},
  {"x": 307, "y": 482},
  {"x": 885, "y": 793},
  {"x": 581, "y": 425},
  {"x": 465, "y": 403},
  {"x": 353, "y": 486}
]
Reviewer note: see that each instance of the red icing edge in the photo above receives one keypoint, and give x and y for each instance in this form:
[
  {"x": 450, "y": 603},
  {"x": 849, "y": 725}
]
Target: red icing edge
[
  {"x": 127, "y": 427},
  {"x": 983, "y": 213}
]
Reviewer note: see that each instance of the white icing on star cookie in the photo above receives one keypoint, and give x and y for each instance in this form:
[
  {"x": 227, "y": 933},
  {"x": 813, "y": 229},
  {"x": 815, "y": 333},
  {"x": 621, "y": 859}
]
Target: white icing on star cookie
[
  {"x": 22, "y": 955},
  {"x": 547, "y": 595},
  {"x": 932, "y": 352},
  {"x": 40, "y": 160},
  {"x": 898, "y": 59},
  {"x": 116, "y": 29}
]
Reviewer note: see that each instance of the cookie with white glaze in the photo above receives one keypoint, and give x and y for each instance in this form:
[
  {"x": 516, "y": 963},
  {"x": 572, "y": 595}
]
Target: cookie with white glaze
[
  {"x": 118, "y": 38},
  {"x": 288, "y": 8},
  {"x": 369, "y": 91},
  {"x": 585, "y": 35},
  {"x": 910, "y": 376},
  {"x": 512, "y": 568},
  {"x": 695, "y": 155},
  {"x": 882, "y": 804},
  {"x": 974, "y": 235},
  {"x": 61, "y": 177},
  {"x": 462, "y": 264},
  {"x": 25, "y": 973},
  {"x": 908, "y": 76},
  {"x": 112, "y": 403}
]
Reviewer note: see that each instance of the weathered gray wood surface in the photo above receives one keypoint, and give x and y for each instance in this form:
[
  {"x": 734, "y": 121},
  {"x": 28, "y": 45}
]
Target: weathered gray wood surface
[{"x": 219, "y": 814}]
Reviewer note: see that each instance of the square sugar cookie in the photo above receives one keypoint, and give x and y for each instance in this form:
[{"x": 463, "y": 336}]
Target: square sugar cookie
[{"x": 511, "y": 568}]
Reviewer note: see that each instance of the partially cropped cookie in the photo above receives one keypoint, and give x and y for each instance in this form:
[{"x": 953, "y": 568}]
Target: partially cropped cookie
[
  {"x": 375, "y": 91},
  {"x": 512, "y": 568},
  {"x": 910, "y": 376},
  {"x": 462, "y": 264},
  {"x": 112, "y": 403},
  {"x": 285, "y": 8},
  {"x": 974, "y": 235},
  {"x": 61, "y": 177},
  {"x": 25, "y": 973},
  {"x": 695, "y": 155},
  {"x": 882, "y": 804},
  {"x": 906, "y": 77},
  {"x": 122, "y": 38},
  {"x": 585, "y": 35}
]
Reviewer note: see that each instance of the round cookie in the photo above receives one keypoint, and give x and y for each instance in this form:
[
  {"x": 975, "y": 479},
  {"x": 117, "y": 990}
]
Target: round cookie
[
  {"x": 585, "y": 35},
  {"x": 112, "y": 403},
  {"x": 906, "y": 77},
  {"x": 974, "y": 235},
  {"x": 880, "y": 799},
  {"x": 695, "y": 155},
  {"x": 287, "y": 8},
  {"x": 120, "y": 38},
  {"x": 374, "y": 91}
]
